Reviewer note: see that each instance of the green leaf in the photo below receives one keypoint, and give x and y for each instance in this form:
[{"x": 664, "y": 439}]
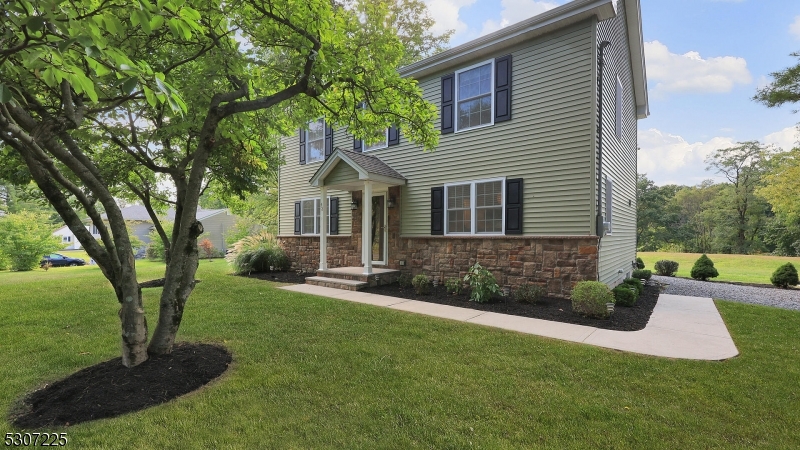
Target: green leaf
[
  {"x": 113, "y": 25},
  {"x": 143, "y": 18},
  {"x": 85, "y": 41},
  {"x": 5, "y": 94},
  {"x": 156, "y": 22},
  {"x": 150, "y": 96},
  {"x": 64, "y": 44},
  {"x": 35, "y": 23},
  {"x": 93, "y": 51},
  {"x": 129, "y": 85}
]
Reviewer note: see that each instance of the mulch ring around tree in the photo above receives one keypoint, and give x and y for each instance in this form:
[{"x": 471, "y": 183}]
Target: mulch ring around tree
[
  {"x": 157, "y": 283},
  {"x": 291, "y": 277},
  {"x": 110, "y": 389},
  {"x": 632, "y": 318}
]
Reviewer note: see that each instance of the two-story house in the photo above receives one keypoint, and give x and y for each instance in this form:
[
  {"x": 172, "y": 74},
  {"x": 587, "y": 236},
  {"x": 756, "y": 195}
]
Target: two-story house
[{"x": 534, "y": 176}]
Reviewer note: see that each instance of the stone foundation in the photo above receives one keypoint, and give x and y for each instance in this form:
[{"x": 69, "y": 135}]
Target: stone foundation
[{"x": 303, "y": 251}]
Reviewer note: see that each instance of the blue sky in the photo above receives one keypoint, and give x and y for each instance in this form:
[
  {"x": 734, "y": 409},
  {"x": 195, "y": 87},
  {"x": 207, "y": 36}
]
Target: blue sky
[{"x": 705, "y": 60}]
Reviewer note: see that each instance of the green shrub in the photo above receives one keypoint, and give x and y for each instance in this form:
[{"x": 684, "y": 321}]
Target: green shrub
[
  {"x": 404, "y": 280},
  {"x": 453, "y": 285},
  {"x": 785, "y": 276},
  {"x": 642, "y": 274},
  {"x": 704, "y": 268},
  {"x": 5, "y": 262},
  {"x": 422, "y": 284},
  {"x": 639, "y": 263},
  {"x": 666, "y": 268},
  {"x": 25, "y": 237},
  {"x": 625, "y": 295},
  {"x": 589, "y": 299},
  {"x": 529, "y": 293},
  {"x": 636, "y": 283},
  {"x": 482, "y": 283},
  {"x": 258, "y": 253},
  {"x": 155, "y": 248}
]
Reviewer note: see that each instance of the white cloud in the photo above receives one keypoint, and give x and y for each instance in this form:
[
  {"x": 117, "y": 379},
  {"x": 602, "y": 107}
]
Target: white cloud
[
  {"x": 514, "y": 11},
  {"x": 689, "y": 72},
  {"x": 786, "y": 139},
  {"x": 794, "y": 28},
  {"x": 446, "y": 13},
  {"x": 671, "y": 159}
]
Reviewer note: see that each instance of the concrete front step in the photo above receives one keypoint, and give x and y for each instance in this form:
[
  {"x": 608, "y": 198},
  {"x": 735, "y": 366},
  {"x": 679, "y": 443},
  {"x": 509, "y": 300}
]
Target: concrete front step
[
  {"x": 379, "y": 276},
  {"x": 337, "y": 283}
]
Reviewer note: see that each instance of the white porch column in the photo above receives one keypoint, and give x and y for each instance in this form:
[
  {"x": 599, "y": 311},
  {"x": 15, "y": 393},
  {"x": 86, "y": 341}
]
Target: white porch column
[
  {"x": 323, "y": 229},
  {"x": 366, "y": 228}
]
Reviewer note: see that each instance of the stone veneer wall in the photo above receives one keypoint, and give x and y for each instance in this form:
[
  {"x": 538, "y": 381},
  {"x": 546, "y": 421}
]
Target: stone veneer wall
[{"x": 554, "y": 262}]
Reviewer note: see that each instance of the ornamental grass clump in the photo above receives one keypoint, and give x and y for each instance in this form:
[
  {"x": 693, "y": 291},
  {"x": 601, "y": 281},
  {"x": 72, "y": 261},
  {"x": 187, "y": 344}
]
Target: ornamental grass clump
[
  {"x": 589, "y": 298},
  {"x": 666, "y": 268},
  {"x": 642, "y": 274},
  {"x": 704, "y": 269},
  {"x": 529, "y": 293},
  {"x": 483, "y": 284},
  {"x": 422, "y": 284},
  {"x": 625, "y": 295},
  {"x": 258, "y": 253},
  {"x": 785, "y": 276}
]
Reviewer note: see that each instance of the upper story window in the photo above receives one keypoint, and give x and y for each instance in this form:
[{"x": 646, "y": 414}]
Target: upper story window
[
  {"x": 315, "y": 141},
  {"x": 474, "y": 89},
  {"x": 475, "y": 207},
  {"x": 378, "y": 145}
]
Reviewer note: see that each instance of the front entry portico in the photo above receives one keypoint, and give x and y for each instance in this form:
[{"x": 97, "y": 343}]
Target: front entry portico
[{"x": 352, "y": 171}]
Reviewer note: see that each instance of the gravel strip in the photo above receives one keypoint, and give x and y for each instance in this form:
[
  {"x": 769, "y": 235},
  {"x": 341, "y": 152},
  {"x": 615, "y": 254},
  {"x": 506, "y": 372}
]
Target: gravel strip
[{"x": 780, "y": 298}]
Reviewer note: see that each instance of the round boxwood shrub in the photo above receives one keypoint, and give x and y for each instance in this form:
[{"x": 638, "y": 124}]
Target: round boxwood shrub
[
  {"x": 422, "y": 284},
  {"x": 785, "y": 276},
  {"x": 639, "y": 263},
  {"x": 704, "y": 269},
  {"x": 636, "y": 284},
  {"x": 642, "y": 274},
  {"x": 589, "y": 299},
  {"x": 625, "y": 295},
  {"x": 666, "y": 268}
]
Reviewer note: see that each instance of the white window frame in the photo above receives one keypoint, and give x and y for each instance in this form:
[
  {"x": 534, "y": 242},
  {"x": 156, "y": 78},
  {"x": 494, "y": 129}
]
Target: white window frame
[
  {"x": 316, "y": 218},
  {"x": 385, "y": 143},
  {"x": 618, "y": 109},
  {"x": 491, "y": 96},
  {"x": 308, "y": 143},
  {"x": 473, "y": 200}
]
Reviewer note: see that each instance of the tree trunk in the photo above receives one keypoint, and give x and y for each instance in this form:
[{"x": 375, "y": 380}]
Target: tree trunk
[{"x": 134, "y": 324}]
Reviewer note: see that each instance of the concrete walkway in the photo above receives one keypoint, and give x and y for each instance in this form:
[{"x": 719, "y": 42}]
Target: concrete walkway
[{"x": 681, "y": 327}]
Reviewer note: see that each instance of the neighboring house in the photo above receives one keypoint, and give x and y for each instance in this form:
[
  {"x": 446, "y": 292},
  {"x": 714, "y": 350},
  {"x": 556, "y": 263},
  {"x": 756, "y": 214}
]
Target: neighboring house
[
  {"x": 217, "y": 223},
  {"x": 518, "y": 180},
  {"x": 68, "y": 238}
]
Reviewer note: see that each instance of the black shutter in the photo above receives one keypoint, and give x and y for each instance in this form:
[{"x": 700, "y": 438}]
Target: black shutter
[
  {"x": 394, "y": 136},
  {"x": 302, "y": 146},
  {"x": 514, "y": 206},
  {"x": 296, "y": 217},
  {"x": 448, "y": 106},
  {"x": 356, "y": 144},
  {"x": 328, "y": 141},
  {"x": 502, "y": 89},
  {"x": 333, "y": 227},
  {"x": 437, "y": 211}
]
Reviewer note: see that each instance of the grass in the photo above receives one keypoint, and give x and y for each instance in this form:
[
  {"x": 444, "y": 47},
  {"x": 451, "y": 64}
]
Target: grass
[
  {"x": 740, "y": 268},
  {"x": 311, "y": 372}
]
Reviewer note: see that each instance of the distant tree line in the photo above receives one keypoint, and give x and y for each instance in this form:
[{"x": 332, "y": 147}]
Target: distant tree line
[{"x": 756, "y": 210}]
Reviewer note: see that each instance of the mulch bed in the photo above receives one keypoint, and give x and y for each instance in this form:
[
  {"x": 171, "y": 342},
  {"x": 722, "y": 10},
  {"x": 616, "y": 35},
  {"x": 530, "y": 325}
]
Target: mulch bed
[
  {"x": 559, "y": 310},
  {"x": 110, "y": 389},
  {"x": 281, "y": 277}
]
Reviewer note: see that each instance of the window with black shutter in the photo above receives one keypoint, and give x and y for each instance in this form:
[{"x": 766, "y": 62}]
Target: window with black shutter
[
  {"x": 448, "y": 105},
  {"x": 514, "y": 206},
  {"x": 393, "y": 136},
  {"x": 356, "y": 144},
  {"x": 334, "y": 216},
  {"x": 502, "y": 87},
  {"x": 297, "y": 218},
  {"x": 328, "y": 141},
  {"x": 302, "y": 146},
  {"x": 437, "y": 211}
]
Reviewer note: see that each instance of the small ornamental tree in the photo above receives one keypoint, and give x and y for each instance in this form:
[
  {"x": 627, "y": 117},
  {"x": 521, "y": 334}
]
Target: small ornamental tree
[
  {"x": 703, "y": 269},
  {"x": 785, "y": 276},
  {"x": 207, "y": 247}
]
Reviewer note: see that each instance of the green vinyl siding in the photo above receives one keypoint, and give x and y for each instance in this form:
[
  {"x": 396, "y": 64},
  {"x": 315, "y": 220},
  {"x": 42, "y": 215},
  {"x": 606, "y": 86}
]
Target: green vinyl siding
[
  {"x": 618, "y": 249},
  {"x": 342, "y": 173},
  {"x": 548, "y": 142}
]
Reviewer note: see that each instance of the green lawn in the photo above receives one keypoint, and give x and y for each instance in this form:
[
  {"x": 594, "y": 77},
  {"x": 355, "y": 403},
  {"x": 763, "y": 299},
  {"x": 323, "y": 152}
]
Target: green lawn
[
  {"x": 311, "y": 372},
  {"x": 741, "y": 268}
]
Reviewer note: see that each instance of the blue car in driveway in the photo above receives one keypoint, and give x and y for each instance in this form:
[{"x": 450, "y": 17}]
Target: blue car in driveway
[{"x": 59, "y": 260}]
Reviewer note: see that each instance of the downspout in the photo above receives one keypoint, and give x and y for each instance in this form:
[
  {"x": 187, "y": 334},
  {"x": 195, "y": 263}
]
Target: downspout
[{"x": 600, "y": 220}]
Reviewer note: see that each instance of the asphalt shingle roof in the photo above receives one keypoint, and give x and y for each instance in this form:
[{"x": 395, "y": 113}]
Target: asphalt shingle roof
[{"x": 372, "y": 164}]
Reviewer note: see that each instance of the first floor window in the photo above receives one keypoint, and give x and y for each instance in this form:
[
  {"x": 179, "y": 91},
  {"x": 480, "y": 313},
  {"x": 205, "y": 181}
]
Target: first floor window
[
  {"x": 66, "y": 239},
  {"x": 475, "y": 207},
  {"x": 310, "y": 212}
]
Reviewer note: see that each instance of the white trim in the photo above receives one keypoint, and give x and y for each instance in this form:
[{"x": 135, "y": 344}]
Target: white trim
[
  {"x": 385, "y": 260},
  {"x": 317, "y": 226},
  {"x": 385, "y": 143},
  {"x": 490, "y": 62},
  {"x": 618, "y": 110},
  {"x": 473, "y": 206}
]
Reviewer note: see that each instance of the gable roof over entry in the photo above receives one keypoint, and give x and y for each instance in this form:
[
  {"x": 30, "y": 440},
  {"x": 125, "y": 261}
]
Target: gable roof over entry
[{"x": 364, "y": 168}]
